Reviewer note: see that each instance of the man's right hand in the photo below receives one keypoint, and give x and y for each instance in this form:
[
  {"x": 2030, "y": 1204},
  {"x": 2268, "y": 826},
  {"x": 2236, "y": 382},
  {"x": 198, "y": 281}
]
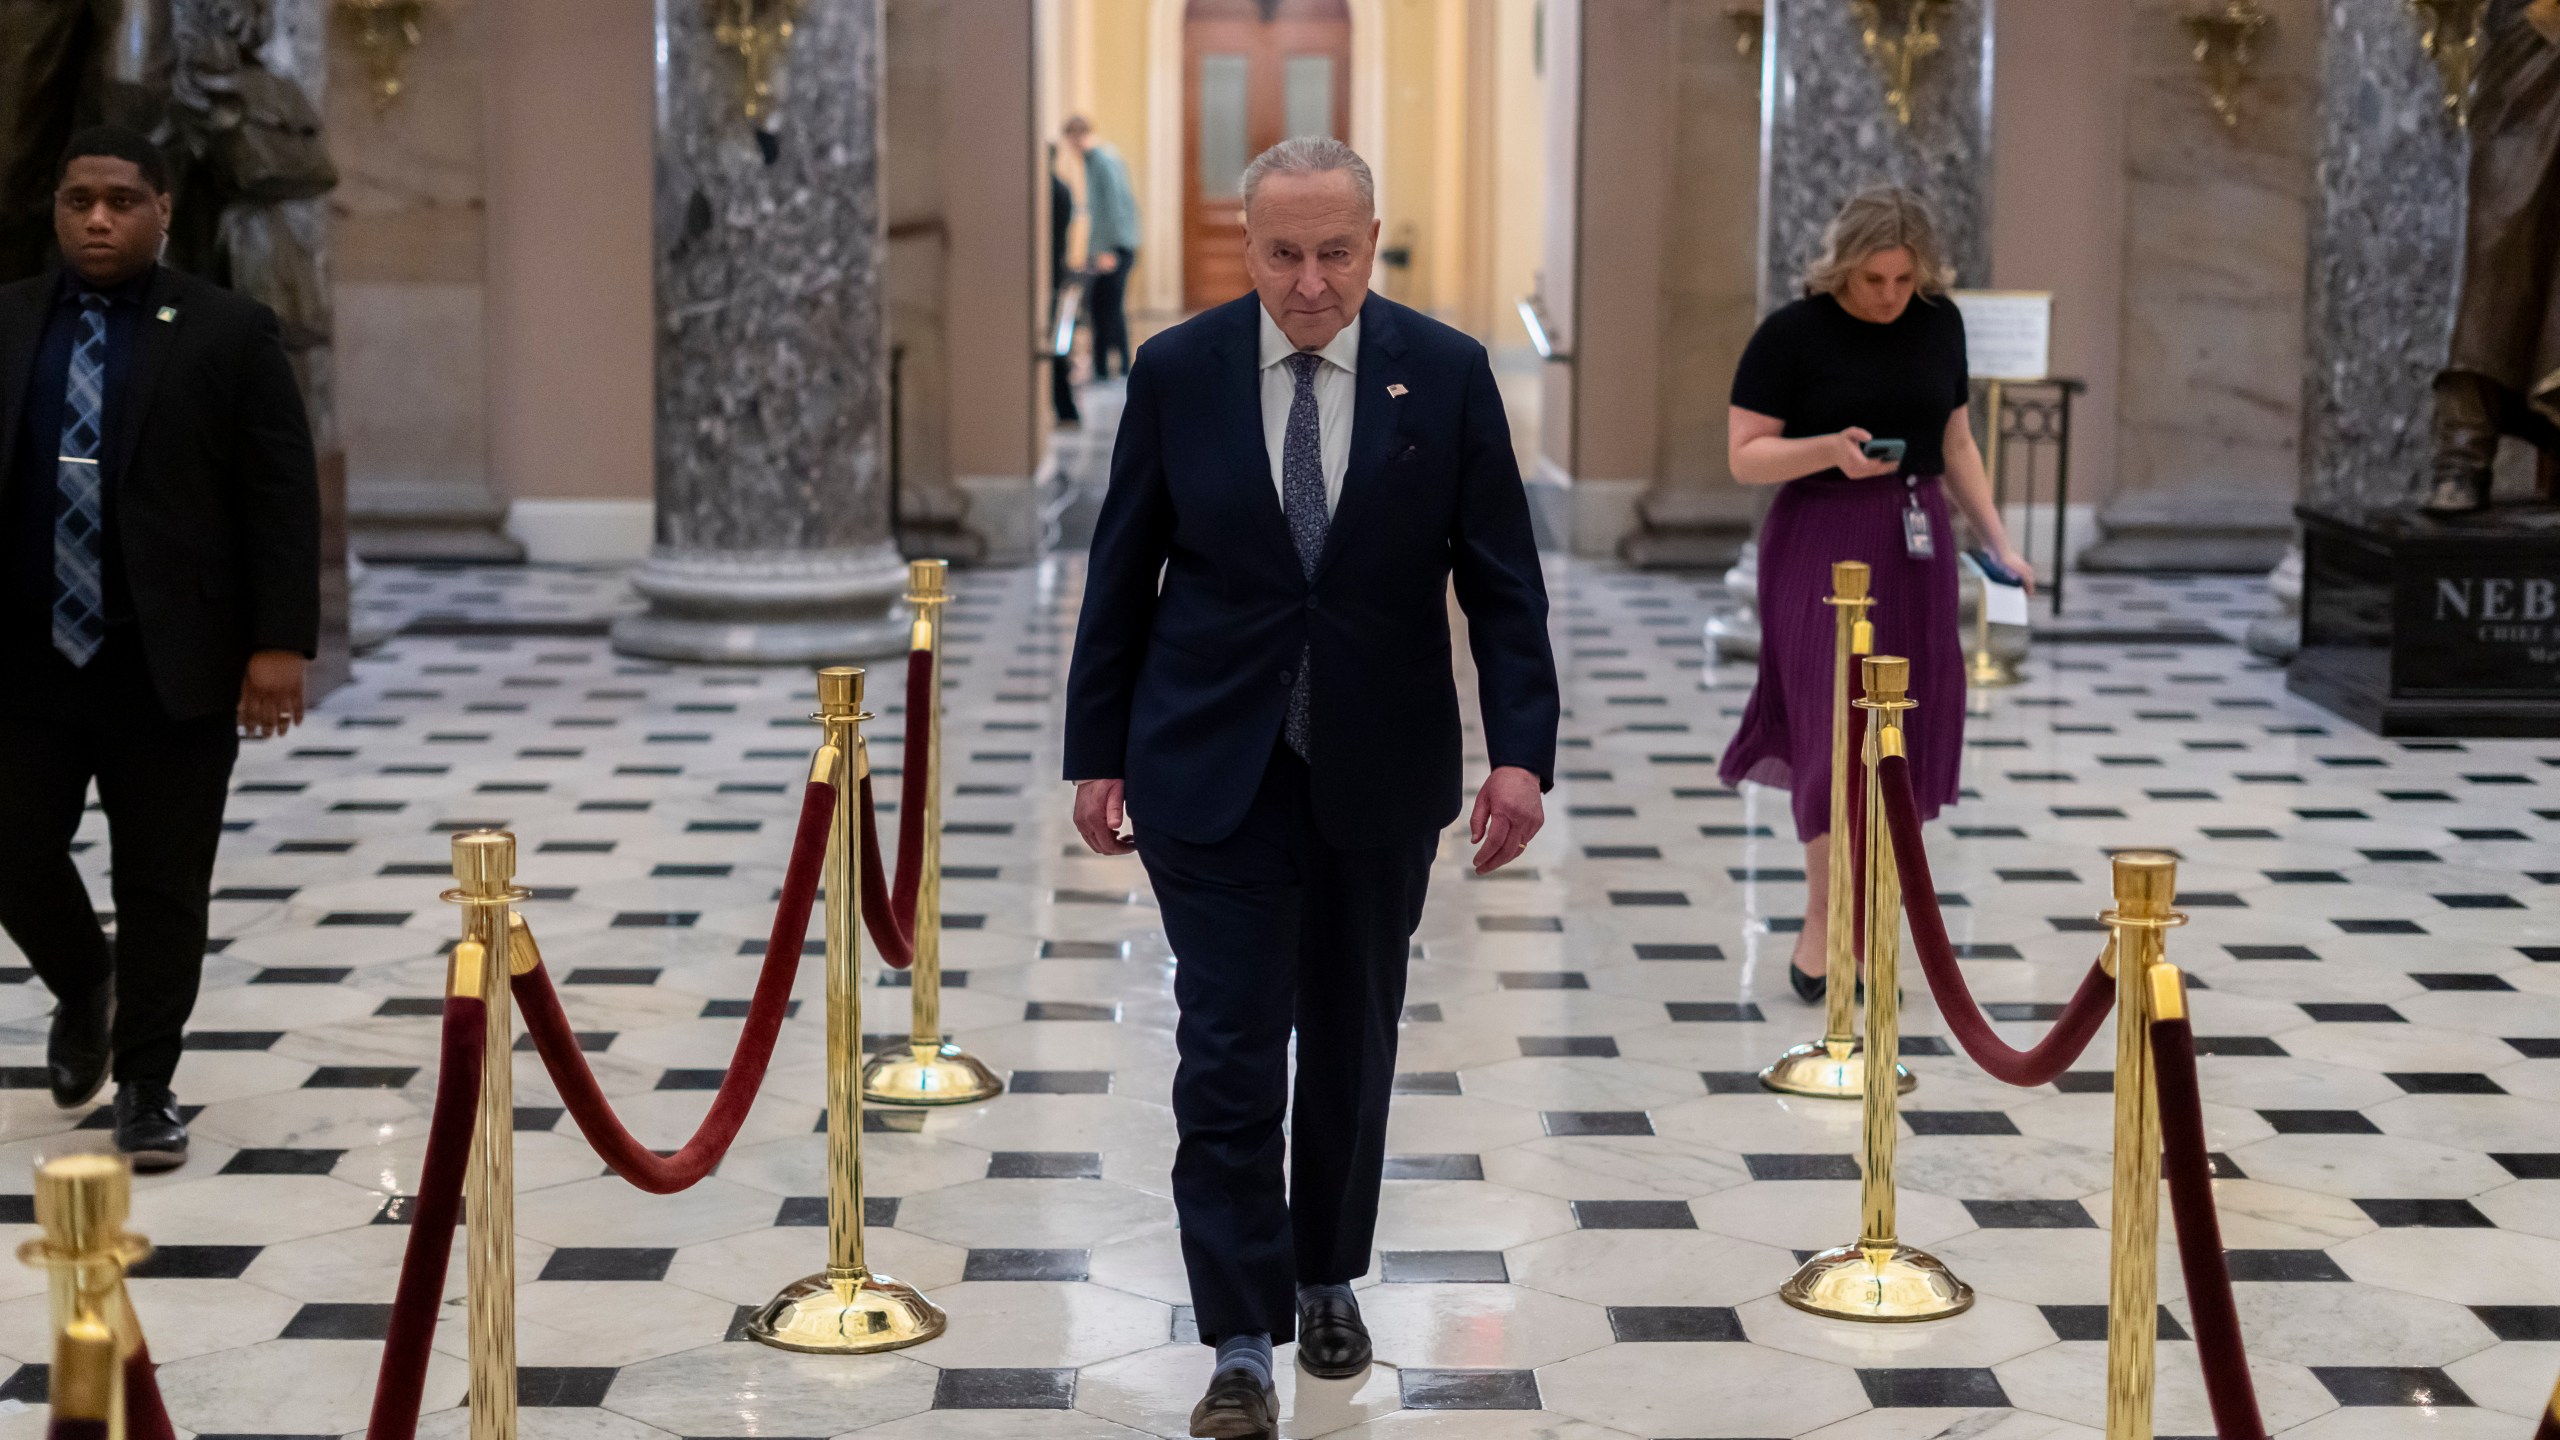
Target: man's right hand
[
  {"x": 1848, "y": 454},
  {"x": 1099, "y": 816}
]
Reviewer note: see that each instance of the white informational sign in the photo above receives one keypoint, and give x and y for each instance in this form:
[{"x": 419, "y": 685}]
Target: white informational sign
[{"x": 2008, "y": 334}]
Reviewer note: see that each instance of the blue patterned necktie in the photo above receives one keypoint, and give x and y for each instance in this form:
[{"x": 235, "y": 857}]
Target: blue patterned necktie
[
  {"x": 79, "y": 607},
  {"x": 1302, "y": 500}
]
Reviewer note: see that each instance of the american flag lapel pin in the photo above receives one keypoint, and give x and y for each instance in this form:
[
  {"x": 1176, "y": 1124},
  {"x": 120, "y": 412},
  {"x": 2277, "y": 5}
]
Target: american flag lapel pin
[
  {"x": 168, "y": 315},
  {"x": 1395, "y": 392}
]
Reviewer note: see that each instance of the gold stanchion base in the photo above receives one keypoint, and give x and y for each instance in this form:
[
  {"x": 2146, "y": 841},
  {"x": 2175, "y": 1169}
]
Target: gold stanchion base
[
  {"x": 1891, "y": 1284},
  {"x": 822, "y": 1316},
  {"x": 1812, "y": 1069},
  {"x": 1990, "y": 672},
  {"x": 928, "y": 1075}
]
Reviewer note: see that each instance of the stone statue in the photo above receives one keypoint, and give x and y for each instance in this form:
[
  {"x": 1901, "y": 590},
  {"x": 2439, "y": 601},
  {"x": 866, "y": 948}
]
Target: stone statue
[
  {"x": 241, "y": 139},
  {"x": 2502, "y": 373}
]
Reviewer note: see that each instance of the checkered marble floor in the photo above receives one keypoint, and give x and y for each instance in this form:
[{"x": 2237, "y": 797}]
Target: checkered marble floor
[{"x": 1590, "y": 1204}]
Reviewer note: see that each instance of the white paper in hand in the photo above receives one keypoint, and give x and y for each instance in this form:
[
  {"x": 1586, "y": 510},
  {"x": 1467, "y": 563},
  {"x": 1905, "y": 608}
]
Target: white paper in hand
[{"x": 2006, "y": 604}]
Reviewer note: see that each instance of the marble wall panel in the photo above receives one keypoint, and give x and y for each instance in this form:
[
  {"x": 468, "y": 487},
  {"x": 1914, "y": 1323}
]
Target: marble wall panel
[
  {"x": 1828, "y": 135},
  {"x": 1709, "y": 290}
]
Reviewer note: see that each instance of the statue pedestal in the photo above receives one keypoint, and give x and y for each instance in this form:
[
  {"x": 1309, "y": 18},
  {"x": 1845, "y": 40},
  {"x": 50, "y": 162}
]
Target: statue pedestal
[{"x": 2418, "y": 626}]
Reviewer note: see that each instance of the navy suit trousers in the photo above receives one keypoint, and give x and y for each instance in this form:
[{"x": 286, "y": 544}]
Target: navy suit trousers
[{"x": 1273, "y": 929}]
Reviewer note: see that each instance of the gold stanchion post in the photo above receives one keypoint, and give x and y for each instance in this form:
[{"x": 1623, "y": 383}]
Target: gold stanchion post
[
  {"x": 1985, "y": 671},
  {"x": 82, "y": 1201},
  {"x": 2146, "y": 883},
  {"x": 484, "y": 872},
  {"x": 845, "y": 1309},
  {"x": 1879, "y": 1278},
  {"x": 1831, "y": 1068},
  {"x": 928, "y": 1070}
]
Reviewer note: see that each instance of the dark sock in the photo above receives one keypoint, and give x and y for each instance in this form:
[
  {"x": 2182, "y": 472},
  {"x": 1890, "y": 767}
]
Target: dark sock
[
  {"x": 1337, "y": 1291},
  {"x": 1247, "y": 1352}
]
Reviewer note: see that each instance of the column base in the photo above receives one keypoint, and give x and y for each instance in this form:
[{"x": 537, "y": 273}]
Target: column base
[{"x": 781, "y": 607}]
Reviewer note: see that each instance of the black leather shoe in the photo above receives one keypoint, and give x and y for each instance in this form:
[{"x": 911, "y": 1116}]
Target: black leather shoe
[
  {"x": 1333, "y": 1342},
  {"x": 1237, "y": 1407},
  {"x": 1809, "y": 988},
  {"x": 148, "y": 1129},
  {"x": 76, "y": 1055}
]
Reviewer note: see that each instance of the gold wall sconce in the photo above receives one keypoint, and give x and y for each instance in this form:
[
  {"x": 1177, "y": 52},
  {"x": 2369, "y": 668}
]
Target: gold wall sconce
[
  {"x": 759, "y": 31},
  {"x": 2226, "y": 45},
  {"x": 2449, "y": 31},
  {"x": 384, "y": 32},
  {"x": 1897, "y": 35},
  {"x": 1749, "y": 23}
]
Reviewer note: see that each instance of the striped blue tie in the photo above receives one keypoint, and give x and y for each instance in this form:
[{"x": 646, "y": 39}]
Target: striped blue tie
[{"x": 79, "y": 609}]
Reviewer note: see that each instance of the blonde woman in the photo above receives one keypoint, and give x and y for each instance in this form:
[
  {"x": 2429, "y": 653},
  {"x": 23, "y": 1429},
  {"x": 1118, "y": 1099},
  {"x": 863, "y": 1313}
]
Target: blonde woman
[{"x": 1853, "y": 399}]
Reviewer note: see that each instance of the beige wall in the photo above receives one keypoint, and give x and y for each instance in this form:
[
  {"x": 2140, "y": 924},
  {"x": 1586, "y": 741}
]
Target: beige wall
[
  {"x": 994, "y": 192},
  {"x": 570, "y": 117},
  {"x": 2058, "y": 198},
  {"x": 1710, "y": 290}
]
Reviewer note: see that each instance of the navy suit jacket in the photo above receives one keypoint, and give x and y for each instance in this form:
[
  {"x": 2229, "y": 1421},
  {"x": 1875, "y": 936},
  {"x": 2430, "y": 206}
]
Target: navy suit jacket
[{"x": 1196, "y": 608}]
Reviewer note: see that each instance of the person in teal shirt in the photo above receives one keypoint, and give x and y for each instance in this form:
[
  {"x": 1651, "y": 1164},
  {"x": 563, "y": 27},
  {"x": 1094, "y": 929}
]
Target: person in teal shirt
[{"x": 1110, "y": 244}]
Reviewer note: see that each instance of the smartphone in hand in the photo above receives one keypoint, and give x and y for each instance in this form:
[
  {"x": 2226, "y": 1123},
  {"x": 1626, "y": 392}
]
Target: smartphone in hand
[{"x": 1889, "y": 451}]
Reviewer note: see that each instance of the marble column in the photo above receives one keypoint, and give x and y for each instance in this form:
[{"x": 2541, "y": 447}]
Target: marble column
[
  {"x": 1827, "y": 134},
  {"x": 773, "y": 535},
  {"x": 2386, "y": 255}
]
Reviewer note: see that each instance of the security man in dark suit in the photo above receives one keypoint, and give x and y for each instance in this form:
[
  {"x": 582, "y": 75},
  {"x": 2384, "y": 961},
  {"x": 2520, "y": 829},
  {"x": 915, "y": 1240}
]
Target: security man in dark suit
[
  {"x": 1263, "y": 679},
  {"x": 163, "y": 516}
]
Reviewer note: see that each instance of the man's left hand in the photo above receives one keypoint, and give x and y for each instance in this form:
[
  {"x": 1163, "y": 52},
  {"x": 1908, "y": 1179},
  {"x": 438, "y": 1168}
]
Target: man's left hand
[
  {"x": 271, "y": 694},
  {"x": 1509, "y": 814}
]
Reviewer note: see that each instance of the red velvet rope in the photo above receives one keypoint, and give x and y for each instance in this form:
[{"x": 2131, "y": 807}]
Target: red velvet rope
[
  {"x": 2081, "y": 1016},
  {"x": 58, "y": 1428},
  {"x": 2549, "y": 1429},
  {"x": 402, "y": 1380},
  {"x": 585, "y": 1099},
  {"x": 2184, "y": 1165},
  {"x": 890, "y": 913},
  {"x": 146, "y": 1415}
]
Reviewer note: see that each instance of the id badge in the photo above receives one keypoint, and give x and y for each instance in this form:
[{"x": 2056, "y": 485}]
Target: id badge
[{"x": 1916, "y": 540}]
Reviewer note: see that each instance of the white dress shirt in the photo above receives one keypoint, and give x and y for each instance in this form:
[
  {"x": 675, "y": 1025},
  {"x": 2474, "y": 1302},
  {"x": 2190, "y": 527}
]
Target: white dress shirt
[{"x": 1333, "y": 385}]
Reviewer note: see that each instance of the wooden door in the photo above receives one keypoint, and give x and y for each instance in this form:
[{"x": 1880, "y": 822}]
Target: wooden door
[{"x": 1254, "y": 73}]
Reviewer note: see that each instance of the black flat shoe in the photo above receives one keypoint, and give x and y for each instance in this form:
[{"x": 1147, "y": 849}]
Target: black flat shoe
[
  {"x": 1809, "y": 988},
  {"x": 148, "y": 1129},
  {"x": 77, "y": 1051},
  {"x": 1333, "y": 1342},
  {"x": 1237, "y": 1407}
]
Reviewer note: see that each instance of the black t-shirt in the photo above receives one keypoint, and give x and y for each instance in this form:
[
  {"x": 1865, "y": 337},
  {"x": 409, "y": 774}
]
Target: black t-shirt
[{"x": 1821, "y": 370}]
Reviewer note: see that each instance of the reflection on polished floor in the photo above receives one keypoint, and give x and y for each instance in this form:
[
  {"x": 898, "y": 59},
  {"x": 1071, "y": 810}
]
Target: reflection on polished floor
[{"x": 1590, "y": 1203}]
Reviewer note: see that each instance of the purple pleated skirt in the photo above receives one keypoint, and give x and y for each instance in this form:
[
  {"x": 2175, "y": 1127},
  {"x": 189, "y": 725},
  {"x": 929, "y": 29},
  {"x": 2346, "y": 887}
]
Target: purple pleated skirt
[{"x": 1785, "y": 739}]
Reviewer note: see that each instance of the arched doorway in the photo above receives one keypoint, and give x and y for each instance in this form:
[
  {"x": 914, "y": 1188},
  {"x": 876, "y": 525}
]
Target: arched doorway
[{"x": 1254, "y": 72}]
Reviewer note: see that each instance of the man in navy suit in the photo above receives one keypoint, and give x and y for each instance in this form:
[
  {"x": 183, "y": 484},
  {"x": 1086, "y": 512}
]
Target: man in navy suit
[{"x": 1263, "y": 686}]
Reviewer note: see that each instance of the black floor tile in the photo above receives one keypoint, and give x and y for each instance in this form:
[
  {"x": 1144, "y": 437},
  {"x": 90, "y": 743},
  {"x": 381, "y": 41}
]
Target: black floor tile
[
  {"x": 1082, "y": 949},
  {"x": 1469, "y": 1389},
  {"x": 1596, "y": 1122},
  {"x": 1435, "y": 1167},
  {"x": 2284, "y": 1265},
  {"x": 2341, "y": 1012},
  {"x": 1442, "y": 1267},
  {"x": 2389, "y": 1385},
  {"x": 1679, "y": 952},
  {"x": 2429, "y": 1214},
  {"x": 2380, "y": 927},
  {"x": 338, "y": 1322},
  {"x": 301, "y": 975},
  {"x": 2520, "y": 1322},
  {"x": 1059, "y": 1082},
  {"x": 1543, "y": 980},
  {"x": 1647, "y": 1323},
  {"x": 1519, "y": 924},
  {"x": 611, "y": 975},
  {"x": 2030, "y": 1214},
  {"x": 25, "y": 1385},
  {"x": 2089, "y": 1322},
  {"x": 1005, "y": 1390},
  {"x": 1026, "y": 1265},
  {"x": 2319, "y": 1122},
  {"x": 2270, "y": 952},
  {"x": 1588, "y": 1047},
  {"x": 1426, "y": 1012},
  {"x": 2444, "y": 1082},
  {"x": 2437, "y": 980},
  {"x": 607, "y": 1262},
  {"x": 1427, "y": 1082},
  {"x": 281, "y": 1162},
  {"x": 2530, "y": 1165},
  {"x": 2237, "y": 1046},
  {"x": 1934, "y": 1388},
  {"x": 1634, "y": 1215},
  {"x": 196, "y": 1262},
  {"x": 2536, "y": 1047},
  {"x": 1068, "y": 1010},
  {"x": 1731, "y": 1082},
  {"x": 360, "y": 1077},
  {"x": 2085, "y": 1082},
  {"x": 1713, "y": 1012},
  {"x": 1802, "y": 1167},
  {"x": 563, "y": 1387},
  {"x": 1044, "y": 1165},
  {"x": 1960, "y": 1122}
]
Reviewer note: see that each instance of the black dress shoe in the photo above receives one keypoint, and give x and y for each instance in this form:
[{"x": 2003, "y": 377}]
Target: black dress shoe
[
  {"x": 1809, "y": 988},
  {"x": 76, "y": 1054},
  {"x": 1333, "y": 1342},
  {"x": 148, "y": 1129},
  {"x": 1237, "y": 1407}
]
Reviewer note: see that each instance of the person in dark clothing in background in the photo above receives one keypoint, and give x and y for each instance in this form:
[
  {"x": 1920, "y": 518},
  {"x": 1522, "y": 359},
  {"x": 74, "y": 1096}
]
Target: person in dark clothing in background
[
  {"x": 1062, "y": 218},
  {"x": 1110, "y": 243},
  {"x": 163, "y": 512}
]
